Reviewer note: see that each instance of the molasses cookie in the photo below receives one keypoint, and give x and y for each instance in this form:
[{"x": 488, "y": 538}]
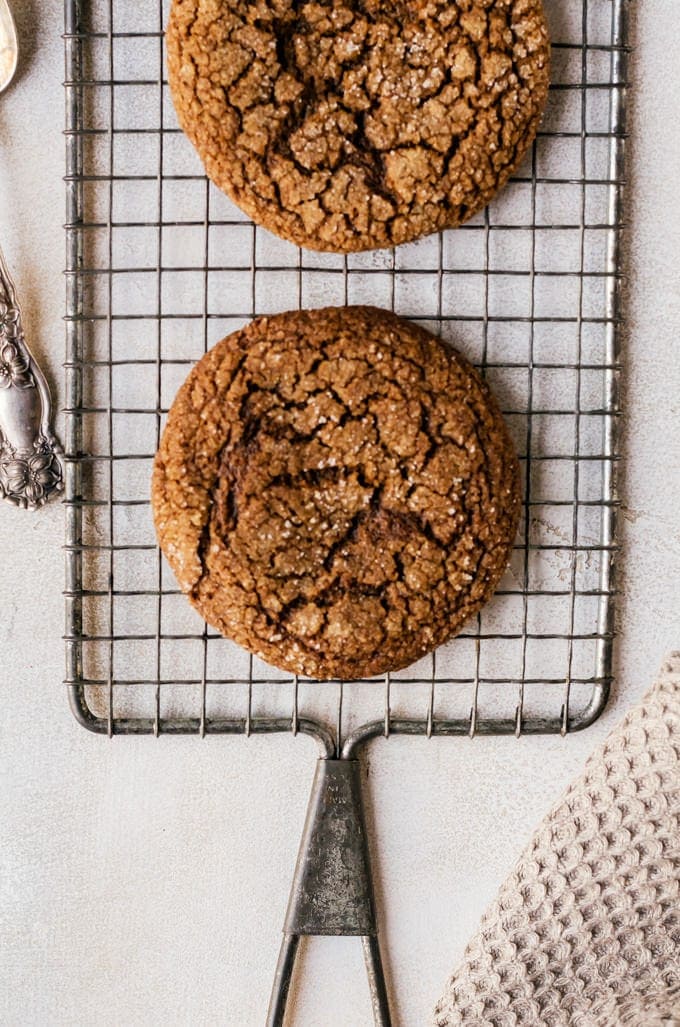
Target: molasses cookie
[
  {"x": 336, "y": 490},
  {"x": 353, "y": 124}
]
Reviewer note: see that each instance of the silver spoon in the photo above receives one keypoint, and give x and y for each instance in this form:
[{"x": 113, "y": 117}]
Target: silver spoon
[
  {"x": 9, "y": 45},
  {"x": 30, "y": 465}
]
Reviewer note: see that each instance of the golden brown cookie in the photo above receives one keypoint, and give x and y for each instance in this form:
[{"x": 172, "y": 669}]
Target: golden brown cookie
[
  {"x": 336, "y": 490},
  {"x": 352, "y": 124}
]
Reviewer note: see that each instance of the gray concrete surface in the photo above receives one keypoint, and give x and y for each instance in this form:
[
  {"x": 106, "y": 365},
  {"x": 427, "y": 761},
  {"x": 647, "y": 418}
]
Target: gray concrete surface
[{"x": 144, "y": 882}]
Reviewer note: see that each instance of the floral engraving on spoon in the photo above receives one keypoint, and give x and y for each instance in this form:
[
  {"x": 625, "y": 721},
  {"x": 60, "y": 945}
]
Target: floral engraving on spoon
[{"x": 30, "y": 465}]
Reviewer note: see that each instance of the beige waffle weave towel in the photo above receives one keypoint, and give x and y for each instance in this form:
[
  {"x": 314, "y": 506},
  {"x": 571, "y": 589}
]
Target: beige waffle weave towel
[{"x": 586, "y": 930}]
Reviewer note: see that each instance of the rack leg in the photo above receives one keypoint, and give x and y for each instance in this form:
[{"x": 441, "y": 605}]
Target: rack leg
[
  {"x": 284, "y": 974},
  {"x": 376, "y": 980},
  {"x": 282, "y": 979}
]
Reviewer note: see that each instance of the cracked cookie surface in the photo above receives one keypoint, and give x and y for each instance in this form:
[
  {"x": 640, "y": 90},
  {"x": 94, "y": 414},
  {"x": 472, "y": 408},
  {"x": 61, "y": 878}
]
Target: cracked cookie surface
[
  {"x": 336, "y": 491},
  {"x": 353, "y": 124}
]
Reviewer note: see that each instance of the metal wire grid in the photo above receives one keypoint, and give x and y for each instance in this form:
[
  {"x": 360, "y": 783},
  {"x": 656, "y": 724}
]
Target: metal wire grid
[{"x": 160, "y": 266}]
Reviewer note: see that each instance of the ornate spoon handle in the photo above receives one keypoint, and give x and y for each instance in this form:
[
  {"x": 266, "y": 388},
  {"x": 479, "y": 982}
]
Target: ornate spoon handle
[{"x": 30, "y": 464}]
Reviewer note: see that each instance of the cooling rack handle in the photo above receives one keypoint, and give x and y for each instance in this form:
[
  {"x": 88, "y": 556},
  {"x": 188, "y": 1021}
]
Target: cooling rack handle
[{"x": 332, "y": 892}]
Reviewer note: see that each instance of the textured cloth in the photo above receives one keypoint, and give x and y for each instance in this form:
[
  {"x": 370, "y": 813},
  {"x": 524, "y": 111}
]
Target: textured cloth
[{"x": 586, "y": 930}]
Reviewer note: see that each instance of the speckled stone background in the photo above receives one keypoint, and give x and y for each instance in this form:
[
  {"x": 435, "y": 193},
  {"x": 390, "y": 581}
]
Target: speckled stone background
[{"x": 145, "y": 882}]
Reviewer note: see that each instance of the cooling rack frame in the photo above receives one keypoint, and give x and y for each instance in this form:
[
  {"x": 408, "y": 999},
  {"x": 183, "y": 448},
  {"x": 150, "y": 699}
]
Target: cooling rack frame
[{"x": 330, "y": 735}]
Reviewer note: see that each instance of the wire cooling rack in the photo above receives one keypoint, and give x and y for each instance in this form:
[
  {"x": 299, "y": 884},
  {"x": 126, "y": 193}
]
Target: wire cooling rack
[{"x": 160, "y": 266}]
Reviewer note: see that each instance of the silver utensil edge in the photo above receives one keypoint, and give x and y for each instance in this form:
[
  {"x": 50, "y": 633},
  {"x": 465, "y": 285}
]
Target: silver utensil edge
[{"x": 30, "y": 455}]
